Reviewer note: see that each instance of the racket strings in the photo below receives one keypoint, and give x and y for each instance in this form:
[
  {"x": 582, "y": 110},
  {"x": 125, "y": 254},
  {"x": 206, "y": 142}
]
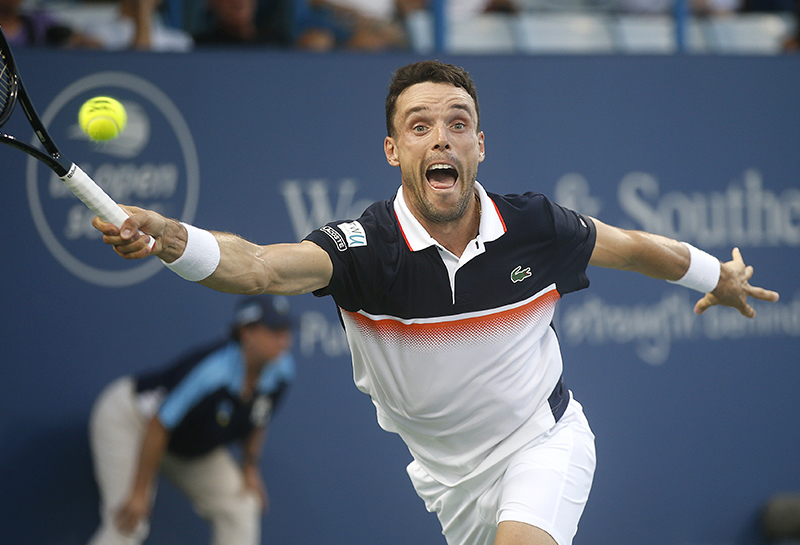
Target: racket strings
[{"x": 6, "y": 87}]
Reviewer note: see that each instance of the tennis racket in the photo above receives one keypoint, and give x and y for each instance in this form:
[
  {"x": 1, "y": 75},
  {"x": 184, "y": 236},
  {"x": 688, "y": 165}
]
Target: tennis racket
[{"x": 12, "y": 91}]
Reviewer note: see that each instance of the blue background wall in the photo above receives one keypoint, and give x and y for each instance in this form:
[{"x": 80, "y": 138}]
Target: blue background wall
[{"x": 696, "y": 417}]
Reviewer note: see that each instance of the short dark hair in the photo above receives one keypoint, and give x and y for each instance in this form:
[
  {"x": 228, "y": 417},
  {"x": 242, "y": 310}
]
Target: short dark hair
[{"x": 427, "y": 71}]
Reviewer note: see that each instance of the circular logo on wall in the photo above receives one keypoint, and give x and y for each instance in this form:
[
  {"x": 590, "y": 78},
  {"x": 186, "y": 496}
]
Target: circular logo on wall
[{"x": 152, "y": 164}]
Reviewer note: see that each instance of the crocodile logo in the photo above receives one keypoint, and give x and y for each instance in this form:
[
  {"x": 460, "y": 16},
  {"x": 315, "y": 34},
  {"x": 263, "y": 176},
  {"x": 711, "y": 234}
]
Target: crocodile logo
[{"x": 519, "y": 274}]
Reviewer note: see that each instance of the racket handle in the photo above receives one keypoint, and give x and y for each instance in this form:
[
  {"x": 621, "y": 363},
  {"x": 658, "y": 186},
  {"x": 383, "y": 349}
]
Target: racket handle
[{"x": 96, "y": 199}]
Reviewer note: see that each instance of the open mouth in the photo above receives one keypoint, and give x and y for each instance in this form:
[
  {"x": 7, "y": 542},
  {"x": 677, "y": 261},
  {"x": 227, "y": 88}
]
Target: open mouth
[{"x": 441, "y": 176}]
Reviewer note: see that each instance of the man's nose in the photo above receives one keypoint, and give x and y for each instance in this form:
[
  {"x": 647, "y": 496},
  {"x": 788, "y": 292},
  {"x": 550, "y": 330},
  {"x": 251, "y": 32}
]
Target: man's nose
[{"x": 441, "y": 140}]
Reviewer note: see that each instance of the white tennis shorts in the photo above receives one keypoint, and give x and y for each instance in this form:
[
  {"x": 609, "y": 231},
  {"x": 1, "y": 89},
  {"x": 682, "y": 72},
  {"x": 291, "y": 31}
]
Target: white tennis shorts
[{"x": 545, "y": 484}]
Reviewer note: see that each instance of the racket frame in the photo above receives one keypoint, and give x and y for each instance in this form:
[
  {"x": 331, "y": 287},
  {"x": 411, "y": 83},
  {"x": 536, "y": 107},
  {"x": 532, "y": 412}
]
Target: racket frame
[
  {"x": 76, "y": 180},
  {"x": 52, "y": 156}
]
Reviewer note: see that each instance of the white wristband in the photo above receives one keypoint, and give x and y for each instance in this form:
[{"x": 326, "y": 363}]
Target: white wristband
[
  {"x": 200, "y": 256},
  {"x": 703, "y": 272}
]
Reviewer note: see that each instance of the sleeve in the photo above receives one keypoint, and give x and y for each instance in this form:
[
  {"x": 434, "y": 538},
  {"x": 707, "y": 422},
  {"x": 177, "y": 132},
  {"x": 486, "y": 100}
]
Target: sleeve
[
  {"x": 575, "y": 236},
  {"x": 364, "y": 254}
]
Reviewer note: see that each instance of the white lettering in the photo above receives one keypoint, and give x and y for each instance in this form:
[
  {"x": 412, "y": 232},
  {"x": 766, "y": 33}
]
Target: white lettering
[
  {"x": 306, "y": 219},
  {"x": 317, "y": 333},
  {"x": 573, "y": 192},
  {"x": 127, "y": 182},
  {"x": 79, "y": 223},
  {"x": 653, "y": 328},
  {"x": 746, "y": 214},
  {"x": 633, "y": 193}
]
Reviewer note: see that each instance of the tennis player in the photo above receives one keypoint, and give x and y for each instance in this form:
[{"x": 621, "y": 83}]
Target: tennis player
[{"x": 447, "y": 294}]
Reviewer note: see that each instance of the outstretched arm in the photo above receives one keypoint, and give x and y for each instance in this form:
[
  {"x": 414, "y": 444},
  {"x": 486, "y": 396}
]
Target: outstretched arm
[
  {"x": 243, "y": 267},
  {"x": 667, "y": 259}
]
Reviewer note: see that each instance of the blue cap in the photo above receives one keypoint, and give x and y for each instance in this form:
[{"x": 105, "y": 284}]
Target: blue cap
[{"x": 269, "y": 310}]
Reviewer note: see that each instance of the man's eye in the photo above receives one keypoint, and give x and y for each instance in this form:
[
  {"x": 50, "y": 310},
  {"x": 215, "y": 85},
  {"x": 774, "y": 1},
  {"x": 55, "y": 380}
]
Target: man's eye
[
  {"x": 419, "y": 128},
  {"x": 458, "y": 125}
]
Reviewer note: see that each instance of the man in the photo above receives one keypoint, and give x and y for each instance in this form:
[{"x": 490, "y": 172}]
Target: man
[
  {"x": 179, "y": 421},
  {"x": 447, "y": 293}
]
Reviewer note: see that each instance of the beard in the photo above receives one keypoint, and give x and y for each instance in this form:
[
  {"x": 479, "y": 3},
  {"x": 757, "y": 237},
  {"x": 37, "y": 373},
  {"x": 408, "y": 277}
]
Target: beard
[{"x": 414, "y": 187}]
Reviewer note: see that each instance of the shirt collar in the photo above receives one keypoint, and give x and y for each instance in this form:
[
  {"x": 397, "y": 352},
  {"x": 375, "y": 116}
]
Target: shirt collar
[{"x": 491, "y": 227}]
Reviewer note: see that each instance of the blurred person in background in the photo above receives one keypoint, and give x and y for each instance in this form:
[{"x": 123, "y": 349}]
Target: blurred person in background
[
  {"x": 247, "y": 22},
  {"x": 38, "y": 28},
  {"x": 179, "y": 421},
  {"x": 361, "y": 25},
  {"x": 138, "y": 25}
]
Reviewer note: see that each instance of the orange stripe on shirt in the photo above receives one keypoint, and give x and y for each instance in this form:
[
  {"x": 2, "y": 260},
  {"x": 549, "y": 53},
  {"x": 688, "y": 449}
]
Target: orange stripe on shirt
[{"x": 459, "y": 331}]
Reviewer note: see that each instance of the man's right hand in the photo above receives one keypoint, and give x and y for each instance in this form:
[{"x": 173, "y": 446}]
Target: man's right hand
[
  {"x": 169, "y": 235},
  {"x": 135, "y": 510}
]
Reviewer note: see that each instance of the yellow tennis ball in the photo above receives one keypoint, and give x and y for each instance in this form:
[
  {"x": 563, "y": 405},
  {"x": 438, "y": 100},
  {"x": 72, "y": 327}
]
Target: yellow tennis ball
[{"x": 102, "y": 118}]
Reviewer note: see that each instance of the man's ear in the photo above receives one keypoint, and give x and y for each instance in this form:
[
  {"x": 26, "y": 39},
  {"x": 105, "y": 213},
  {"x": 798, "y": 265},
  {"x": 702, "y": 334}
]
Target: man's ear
[{"x": 391, "y": 151}]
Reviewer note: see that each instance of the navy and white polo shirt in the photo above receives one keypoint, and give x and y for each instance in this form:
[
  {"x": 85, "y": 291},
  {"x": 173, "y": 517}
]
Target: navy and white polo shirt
[
  {"x": 199, "y": 397},
  {"x": 458, "y": 354}
]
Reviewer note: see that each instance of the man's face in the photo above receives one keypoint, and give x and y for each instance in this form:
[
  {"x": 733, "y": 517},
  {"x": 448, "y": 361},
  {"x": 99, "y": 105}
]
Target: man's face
[
  {"x": 437, "y": 146},
  {"x": 262, "y": 344}
]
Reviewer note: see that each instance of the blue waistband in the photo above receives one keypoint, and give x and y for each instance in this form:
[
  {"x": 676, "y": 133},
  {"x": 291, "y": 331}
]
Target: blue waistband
[{"x": 559, "y": 399}]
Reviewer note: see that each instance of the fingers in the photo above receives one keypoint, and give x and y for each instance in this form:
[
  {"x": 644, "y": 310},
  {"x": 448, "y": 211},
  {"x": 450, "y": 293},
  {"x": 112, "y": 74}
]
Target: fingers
[
  {"x": 135, "y": 249},
  {"x": 735, "y": 292},
  {"x": 122, "y": 234},
  {"x": 127, "y": 520},
  {"x": 752, "y": 291},
  {"x": 124, "y": 524},
  {"x": 128, "y": 240},
  {"x": 704, "y": 303},
  {"x": 737, "y": 256},
  {"x": 130, "y": 228},
  {"x": 709, "y": 300},
  {"x": 763, "y": 294},
  {"x": 746, "y": 310},
  {"x": 103, "y": 227}
]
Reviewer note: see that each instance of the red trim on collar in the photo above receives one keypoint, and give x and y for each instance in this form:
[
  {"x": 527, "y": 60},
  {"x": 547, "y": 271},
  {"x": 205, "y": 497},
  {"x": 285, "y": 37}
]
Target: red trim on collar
[
  {"x": 505, "y": 229},
  {"x": 400, "y": 225}
]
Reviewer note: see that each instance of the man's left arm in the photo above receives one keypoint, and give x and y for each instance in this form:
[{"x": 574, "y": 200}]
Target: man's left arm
[{"x": 666, "y": 259}]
